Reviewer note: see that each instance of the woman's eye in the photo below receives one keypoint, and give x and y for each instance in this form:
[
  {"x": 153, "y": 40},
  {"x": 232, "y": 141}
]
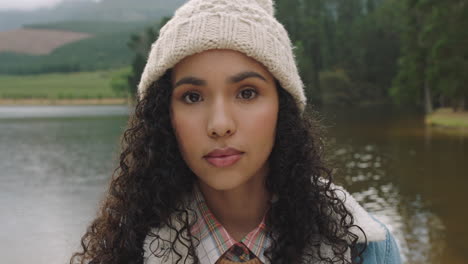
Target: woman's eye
[
  {"x": 191, "y": 97},
  {"x": 248, "y": 94}
]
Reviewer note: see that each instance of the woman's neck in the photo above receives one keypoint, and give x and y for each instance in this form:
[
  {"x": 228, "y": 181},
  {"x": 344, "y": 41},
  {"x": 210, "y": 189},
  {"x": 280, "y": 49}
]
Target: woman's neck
[{"x": 239, "y": 210}]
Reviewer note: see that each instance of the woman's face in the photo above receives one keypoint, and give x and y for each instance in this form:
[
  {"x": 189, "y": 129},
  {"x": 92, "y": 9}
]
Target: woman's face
[{"x": 223, "y": 99}]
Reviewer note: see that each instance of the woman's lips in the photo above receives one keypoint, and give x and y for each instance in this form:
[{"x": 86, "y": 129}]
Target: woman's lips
[{"x": 224, "y": 161}]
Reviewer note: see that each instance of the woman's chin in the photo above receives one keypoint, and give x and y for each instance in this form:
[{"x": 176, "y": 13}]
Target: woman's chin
[{"x": 222, "y": 183}]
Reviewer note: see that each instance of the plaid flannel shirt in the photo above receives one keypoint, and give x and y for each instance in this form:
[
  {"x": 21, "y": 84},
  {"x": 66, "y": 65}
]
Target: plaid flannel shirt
[{"x": 215, "y": 241}]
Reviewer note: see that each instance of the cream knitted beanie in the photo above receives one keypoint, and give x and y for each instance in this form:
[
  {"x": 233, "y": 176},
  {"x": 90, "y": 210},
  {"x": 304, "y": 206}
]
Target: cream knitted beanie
[{"x": 247, "y": 26}]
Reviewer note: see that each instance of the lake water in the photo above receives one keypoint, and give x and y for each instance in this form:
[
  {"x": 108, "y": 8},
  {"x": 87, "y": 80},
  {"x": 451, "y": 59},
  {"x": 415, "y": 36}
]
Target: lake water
[{"x": 55, "y": 164}]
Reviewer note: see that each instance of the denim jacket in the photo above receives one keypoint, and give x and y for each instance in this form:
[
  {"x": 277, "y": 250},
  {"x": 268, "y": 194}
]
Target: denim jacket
[
  {"x": 381, "y": 246},
  {"x": 383, "y": 251}
]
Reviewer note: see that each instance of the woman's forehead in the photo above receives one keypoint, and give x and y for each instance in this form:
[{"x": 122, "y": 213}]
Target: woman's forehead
[{"x": 217, "y": 63}]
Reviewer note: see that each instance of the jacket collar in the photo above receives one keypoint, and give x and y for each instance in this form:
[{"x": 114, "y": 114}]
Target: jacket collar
[
  {"x": 374, "y": 232},
  {"x": 372, "y": 228}
]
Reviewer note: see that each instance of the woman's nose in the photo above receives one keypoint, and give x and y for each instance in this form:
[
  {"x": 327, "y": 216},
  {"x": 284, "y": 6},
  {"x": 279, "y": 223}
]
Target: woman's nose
[{"x": 221, "y": 122}]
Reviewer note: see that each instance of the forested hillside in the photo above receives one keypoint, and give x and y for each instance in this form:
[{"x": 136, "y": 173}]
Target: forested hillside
[
  {"x": 433, "y": 67},
  {"x": 104, "y": 10},
  {"x": 413, "y": 52},
  {"x": 106, "y": 49},
  {"x": 112, "y": 22}
]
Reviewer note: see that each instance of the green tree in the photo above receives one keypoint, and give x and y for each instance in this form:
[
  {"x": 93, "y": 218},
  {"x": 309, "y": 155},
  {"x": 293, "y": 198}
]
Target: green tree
[
  {"x": 434, "y": 62},
  {"x": 306, "y": 22},
  {"x": 449, "y": 53},
  {"x": 411, "y": 83},
  {"x": 141, "y": 45},
  {"x": 355, "y": 37}
]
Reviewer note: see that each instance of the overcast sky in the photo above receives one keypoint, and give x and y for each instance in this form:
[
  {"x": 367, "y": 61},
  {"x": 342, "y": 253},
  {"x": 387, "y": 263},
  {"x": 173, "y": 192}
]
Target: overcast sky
[{"x": 27, "y": 4}]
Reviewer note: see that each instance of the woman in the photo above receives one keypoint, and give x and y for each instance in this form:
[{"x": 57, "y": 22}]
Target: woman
[{"x": 222, "y": 162}]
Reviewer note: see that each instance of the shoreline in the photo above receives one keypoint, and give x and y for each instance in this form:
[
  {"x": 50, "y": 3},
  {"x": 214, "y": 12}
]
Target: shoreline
[
  {"x": 446, "y": 118},
  {"x": 93, "y": 101}
]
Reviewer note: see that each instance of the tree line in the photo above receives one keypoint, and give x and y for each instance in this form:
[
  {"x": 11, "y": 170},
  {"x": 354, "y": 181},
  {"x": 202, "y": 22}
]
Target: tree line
[{"x": 355, "y": 52}]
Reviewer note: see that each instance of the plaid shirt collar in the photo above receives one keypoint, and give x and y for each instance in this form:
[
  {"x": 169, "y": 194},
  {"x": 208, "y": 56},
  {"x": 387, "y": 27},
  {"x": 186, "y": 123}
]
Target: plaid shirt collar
[{"x": 215, "y": 240}]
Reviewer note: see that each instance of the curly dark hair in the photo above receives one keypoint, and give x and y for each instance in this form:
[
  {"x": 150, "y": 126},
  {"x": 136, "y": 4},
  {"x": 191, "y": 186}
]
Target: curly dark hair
[{"x": 151, "y": 180}]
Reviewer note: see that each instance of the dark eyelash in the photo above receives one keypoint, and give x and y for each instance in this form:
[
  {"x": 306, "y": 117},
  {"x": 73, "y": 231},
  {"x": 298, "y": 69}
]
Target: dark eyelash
[
  {"x": 251, "y": 89},
  {"x": 189, "y": 93}
]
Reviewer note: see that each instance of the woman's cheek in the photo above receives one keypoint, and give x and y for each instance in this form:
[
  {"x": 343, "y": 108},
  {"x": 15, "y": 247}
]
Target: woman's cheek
[
  {"x": 263, "y": 123},
  {"x": 188, "y": 130}
]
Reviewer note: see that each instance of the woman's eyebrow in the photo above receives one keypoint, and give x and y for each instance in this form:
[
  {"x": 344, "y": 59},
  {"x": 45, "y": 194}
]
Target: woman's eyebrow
[
  {"x": 244, "y": 75},
  {"x": 190, "y": 80}
]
